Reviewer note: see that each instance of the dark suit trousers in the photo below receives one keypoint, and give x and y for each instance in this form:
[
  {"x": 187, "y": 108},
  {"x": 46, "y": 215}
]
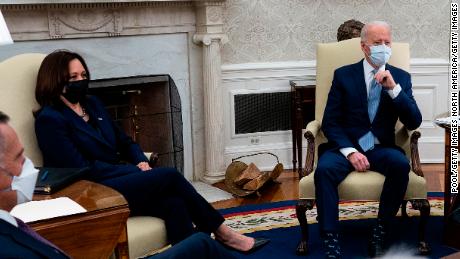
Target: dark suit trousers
[
  {"x": 333, "y": 168},
  {"x": 198, "y": 245},
  {"x": 165, "y": 193}
]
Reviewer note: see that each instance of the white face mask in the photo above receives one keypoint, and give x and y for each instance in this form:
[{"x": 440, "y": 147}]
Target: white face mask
[
  {"x": 380, "y": 54},
  {"x": 24, "y": 184}
]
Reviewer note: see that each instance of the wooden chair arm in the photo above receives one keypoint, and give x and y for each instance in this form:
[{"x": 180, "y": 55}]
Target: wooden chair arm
[
  {"x": 408, "y": 141},
  {"x": 312, "y": 130},
  {"x": 415, "y": 157}
]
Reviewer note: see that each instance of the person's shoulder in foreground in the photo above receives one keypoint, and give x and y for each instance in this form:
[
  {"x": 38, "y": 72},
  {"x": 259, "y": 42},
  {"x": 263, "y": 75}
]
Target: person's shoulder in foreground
[{"x": 17, "y": 182}]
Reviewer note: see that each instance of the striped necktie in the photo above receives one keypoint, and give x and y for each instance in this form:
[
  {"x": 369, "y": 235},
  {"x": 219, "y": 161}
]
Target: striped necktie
[{"x": 367, "y": 140}]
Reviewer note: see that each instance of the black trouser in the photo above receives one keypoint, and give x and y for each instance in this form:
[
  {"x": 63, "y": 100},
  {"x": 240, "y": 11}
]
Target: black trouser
[
  {"x": 165, "y": 193},
  {"x": 332, "y": 169}
]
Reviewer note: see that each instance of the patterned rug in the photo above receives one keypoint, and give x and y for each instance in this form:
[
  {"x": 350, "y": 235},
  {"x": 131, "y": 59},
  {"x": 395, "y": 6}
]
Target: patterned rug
[
  {"x": 277, "y": 221},
  {"x": 282, "y": 214}
]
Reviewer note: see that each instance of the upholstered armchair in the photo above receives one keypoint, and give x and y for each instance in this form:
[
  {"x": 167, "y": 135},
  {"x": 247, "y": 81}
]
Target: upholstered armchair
[
  {"x": 358, "y": 186},
  {"x": 18, "y": 78}
]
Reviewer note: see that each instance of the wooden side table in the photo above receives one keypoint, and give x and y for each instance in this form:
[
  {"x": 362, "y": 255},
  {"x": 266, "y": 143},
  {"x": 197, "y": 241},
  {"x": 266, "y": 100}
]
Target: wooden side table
[
  {"x": 302, "y": 112},
  {"x": 451, "y": 201},
  {"x": 94, "y": 234}
]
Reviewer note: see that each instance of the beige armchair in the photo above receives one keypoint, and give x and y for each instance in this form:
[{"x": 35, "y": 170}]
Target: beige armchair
[
  {"x": 18, "y": 78},
  {"x": 358, "y": 186}
]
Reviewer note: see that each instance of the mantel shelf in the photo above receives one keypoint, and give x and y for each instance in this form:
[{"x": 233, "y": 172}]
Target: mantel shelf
[{"x": 15, "y": 2}]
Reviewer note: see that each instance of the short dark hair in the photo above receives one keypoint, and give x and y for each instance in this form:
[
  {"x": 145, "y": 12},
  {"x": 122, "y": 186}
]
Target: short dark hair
[
  {"x": 349, "y": 29},
  {"x": 53, "y": 75},
  {"x": 3, "y": 120}
]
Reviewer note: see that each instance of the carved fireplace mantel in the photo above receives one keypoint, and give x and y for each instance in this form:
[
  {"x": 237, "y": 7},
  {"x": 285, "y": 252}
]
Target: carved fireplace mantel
[
  {"x": 200, "y": 20},
  {"x": 49, "y": 19}
]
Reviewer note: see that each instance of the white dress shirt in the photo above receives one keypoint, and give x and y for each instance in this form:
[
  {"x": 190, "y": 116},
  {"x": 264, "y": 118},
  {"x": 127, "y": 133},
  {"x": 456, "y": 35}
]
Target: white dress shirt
[
  {"x": 368, "y": 77},
  {"x": 6, "y": 216}
]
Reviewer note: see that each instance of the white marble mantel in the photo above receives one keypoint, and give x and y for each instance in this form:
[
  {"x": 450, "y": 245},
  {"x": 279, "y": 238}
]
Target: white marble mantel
[
  {"x": 194, "y": 25},
  {"x": 93, "y": 1}
]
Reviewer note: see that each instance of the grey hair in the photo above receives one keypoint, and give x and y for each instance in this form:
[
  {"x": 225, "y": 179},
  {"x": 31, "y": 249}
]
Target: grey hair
[
  {"x": 373, "y": 23},
  {"x": 3, "y": 120}
]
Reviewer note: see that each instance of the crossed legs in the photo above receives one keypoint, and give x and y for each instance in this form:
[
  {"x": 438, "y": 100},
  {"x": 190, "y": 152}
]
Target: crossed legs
[{"x": 165, "y": 193}]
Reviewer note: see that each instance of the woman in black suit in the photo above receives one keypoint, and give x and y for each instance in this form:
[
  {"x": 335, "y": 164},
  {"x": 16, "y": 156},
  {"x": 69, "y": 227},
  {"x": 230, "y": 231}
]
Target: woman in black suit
[{"x": 74, "y": 130}]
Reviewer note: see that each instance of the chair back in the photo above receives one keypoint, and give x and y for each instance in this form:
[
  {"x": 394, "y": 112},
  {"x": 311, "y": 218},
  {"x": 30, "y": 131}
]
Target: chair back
[
  {"x": 18, "y": 77},
  {"x": 330, "y": 56}
]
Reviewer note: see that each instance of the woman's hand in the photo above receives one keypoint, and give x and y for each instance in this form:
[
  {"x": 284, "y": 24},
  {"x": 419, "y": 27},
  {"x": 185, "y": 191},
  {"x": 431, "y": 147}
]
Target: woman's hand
[{"x": 144, "y": 166}]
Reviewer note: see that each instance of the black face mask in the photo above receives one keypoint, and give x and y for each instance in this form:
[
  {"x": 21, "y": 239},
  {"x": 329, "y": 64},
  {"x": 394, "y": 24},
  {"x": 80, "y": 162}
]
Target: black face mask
[{"x": 75, "y": 91}]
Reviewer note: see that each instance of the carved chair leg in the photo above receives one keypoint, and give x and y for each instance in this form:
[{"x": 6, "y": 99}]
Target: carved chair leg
[
  {"x": 301, "y": 208},
  {"x": 424, "y": 207},
  {"x": 404, "y": 209}
]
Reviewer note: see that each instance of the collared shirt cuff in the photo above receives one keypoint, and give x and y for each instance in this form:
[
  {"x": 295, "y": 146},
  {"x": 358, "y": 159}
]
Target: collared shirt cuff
[
  {"x": 347, "y": 150},
  {"x": 395, "y": 91}
]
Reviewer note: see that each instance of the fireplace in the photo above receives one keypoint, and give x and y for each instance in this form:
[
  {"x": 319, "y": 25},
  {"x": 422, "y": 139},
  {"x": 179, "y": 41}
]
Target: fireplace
[
  {"x": 147, "y": 108},
  {"x": 120, "y": 39}
]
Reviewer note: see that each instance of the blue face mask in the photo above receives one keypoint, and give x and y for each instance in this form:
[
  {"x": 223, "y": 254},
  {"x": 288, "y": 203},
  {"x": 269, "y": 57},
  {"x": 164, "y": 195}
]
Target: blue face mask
[{"x": 380, "y": 54}]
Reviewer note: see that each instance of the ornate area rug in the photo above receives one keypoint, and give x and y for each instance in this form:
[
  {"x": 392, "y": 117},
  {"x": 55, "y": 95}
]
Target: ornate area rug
[
  {"x": 277, "y": 221},
  {"x": 282, "y": 214}
]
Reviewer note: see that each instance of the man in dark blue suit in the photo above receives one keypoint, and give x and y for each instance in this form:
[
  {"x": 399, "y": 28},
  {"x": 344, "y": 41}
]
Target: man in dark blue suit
[
  {"x": 364, "y": 103},
  {"x": 17, "y": 182}
]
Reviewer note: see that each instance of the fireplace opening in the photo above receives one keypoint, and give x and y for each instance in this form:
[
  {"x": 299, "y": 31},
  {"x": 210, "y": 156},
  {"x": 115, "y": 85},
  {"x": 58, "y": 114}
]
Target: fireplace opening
[{"x": 147, "y": 108}]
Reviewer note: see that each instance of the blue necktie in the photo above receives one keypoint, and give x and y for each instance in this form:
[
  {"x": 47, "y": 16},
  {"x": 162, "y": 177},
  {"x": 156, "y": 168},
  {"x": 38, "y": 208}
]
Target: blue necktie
[{"x": 367, "y": 140}]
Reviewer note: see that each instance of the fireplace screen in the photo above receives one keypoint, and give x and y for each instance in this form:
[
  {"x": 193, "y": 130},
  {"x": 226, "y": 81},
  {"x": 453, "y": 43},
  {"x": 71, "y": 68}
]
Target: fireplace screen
[{"x": 148, "y": 108}]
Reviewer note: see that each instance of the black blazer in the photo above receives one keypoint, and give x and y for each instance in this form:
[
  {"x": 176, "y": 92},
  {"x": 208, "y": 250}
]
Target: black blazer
[
  {"x": 14, "y": 243},
  {"x": 67, "y": 141},
  {"x": 346, "y": 117}
]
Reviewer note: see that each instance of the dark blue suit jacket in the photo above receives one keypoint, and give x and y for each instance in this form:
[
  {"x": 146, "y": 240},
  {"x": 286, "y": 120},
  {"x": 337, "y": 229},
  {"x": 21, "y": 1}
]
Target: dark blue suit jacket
[
  {"x": 14, "y": 243},
  {"x": 67, "y": 141},
  {"x": 346, "y": 117}
]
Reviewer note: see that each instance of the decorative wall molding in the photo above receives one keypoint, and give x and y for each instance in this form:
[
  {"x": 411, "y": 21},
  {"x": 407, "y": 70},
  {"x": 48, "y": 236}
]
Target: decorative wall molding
[
  {"x": 94, "y": 3},
  {"x": 107, "y": 19},
  {"x": 45, "y": 5},
  {"x": 430, "y": 88},
  {"x": 84, "y": 21}
]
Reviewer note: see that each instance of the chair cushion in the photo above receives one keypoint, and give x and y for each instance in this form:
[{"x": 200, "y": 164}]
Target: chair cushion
[
  {"x": 19, "y": 77},
  {"x": 145, "y": 234},
  {"x": 364, "y": 186}
]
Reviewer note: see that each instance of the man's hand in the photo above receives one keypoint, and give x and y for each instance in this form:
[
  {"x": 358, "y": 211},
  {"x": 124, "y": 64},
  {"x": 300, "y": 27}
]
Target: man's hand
[
  {"x": 359, "y": 161},
  {"x": 385, "y": 79},
  {"x": 144, "y": 166}
]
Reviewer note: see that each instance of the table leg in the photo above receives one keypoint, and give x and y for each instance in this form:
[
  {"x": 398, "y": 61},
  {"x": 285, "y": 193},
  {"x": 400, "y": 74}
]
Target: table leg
[
  {"x": 298, "y": 133},
  {"x": 293, "y": 129},
  {"x": 122, "y": 250}
]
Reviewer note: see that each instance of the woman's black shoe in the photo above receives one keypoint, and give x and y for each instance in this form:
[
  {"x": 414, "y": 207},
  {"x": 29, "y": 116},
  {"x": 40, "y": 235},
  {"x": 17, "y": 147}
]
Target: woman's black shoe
[{"x": 258, "y": 243}]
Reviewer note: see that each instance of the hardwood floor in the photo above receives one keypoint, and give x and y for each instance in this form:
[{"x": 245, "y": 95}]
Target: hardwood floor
[{"x": 287, "y": 188}]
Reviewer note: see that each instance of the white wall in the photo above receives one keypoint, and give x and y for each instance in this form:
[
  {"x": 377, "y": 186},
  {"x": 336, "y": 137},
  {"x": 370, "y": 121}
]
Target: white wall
[{"x": 430, "y": 88}]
